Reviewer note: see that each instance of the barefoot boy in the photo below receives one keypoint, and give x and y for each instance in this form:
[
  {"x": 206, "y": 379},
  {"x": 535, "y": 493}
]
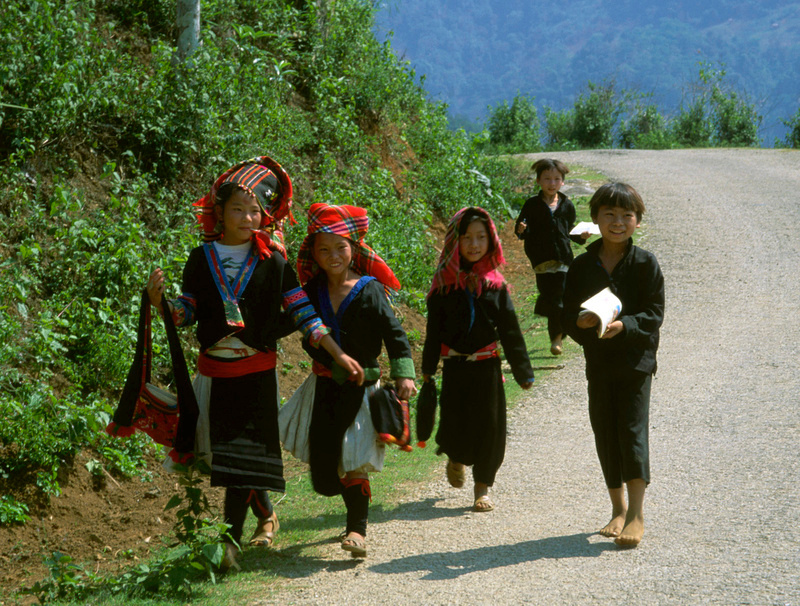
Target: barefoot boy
[{"x": 620, "y": 363}]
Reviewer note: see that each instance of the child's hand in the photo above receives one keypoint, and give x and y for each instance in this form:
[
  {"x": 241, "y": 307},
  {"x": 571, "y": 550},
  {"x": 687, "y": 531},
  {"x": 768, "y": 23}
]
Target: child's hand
[
  {"x": 613, "y": 329},
  {"x": 353, "y": 368},
  {"x": 587, "y": 320},
  {"x": 586, "y": 235},
  {"x": 526, "y": 385},
  {"x": 523, "y": 225},
  {"x": 155, "y": 287},
  {"x": 406, "y": 389}
]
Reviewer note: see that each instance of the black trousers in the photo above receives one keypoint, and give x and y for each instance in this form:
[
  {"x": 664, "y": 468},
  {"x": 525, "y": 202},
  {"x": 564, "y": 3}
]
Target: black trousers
[
  {"x": 619, "y": 410},
  {"x": 237, "y": 502},
  {"x": 550, "y": 302}
]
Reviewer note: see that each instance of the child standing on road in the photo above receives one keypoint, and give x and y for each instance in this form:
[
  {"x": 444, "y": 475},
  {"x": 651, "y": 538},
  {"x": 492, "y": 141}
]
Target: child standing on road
[
  {"x": 235, "y": 288},
  {"x": 544, "y": 224},
  {"x": 347, "y": 283},
  {"x": 469, "y": 311},
  {"x": 620, "y": 363}
]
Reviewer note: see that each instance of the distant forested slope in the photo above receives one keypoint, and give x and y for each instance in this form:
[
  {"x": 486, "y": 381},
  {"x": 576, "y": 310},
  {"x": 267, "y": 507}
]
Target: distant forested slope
[{"x": 475, "y": 53}]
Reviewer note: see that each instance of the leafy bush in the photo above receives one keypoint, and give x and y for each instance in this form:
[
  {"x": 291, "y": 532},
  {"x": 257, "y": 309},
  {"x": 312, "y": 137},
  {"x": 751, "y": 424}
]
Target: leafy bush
[
  {"x": 595, "y": 116},
  {"x": 692, "y": 127},
  {"x": 793, "y": 136},
  {"x": 12, "y": 511},
  {"x": 590, "y": 123},
  {"x": 716, "y": 114},
  {"x": 560, "y": 129},
  {"x": 645, "y": 128},
  {"x": 514, "y": 128}
]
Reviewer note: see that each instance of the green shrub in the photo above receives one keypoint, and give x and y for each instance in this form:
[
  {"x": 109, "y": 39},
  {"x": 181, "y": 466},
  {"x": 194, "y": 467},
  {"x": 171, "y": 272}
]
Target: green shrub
[
  {"x": 793, "y": 136},
  {"x": 596, "y": 112},
  {"x": 645, "y": 128},
  {"x": 12, "y": 511},
  {"x": 514, "y": 128},
  {"x": 715, "y": 114},
  {"x": 560, "y": 129},
  {"x": 692, "y": 127}
]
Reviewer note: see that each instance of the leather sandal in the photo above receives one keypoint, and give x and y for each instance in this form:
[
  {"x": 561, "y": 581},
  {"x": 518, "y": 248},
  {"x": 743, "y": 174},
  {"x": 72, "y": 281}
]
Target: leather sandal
[
  {"x": 483, "y": 503},
  {"x": 456, "y": 476},
  {"x": 356, "y": 545},
  {"x": 263, "y": 537}
]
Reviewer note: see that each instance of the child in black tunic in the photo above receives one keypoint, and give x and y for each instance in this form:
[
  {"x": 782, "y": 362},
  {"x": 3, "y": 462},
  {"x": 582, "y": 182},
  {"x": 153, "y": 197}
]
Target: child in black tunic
[
  {"x": 242, "y": 294},
  {"x": 469, "y": 311},
  {"x": 621, "y": 362},
  {"x": 544, "y": 224},
  {"x": 347, "y": 283}
]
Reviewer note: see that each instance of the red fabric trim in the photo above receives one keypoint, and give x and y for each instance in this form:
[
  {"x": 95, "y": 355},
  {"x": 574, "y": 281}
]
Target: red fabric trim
[
  {"x": 321, "y": 370},
  {"x": 490, "y": 351},
  {"x": 212, "y": 367},
  {"x": 253, "y": 498},
  {"x": 364, "y": 482}
]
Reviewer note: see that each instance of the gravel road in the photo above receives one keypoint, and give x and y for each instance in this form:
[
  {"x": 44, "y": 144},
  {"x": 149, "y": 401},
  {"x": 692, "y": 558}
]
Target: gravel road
[{"x": 723, "y": 510}]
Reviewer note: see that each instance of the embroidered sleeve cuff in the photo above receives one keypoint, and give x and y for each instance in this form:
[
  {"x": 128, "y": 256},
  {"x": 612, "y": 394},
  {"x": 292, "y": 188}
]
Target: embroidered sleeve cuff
[
  {"x": 402, "y": 368},
  {"x": 315, "y": 336},
  {"x": 182, "y": 311}
]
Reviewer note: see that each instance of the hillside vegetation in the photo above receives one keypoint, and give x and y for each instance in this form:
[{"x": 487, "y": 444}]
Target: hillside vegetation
[{"x": 105, "y": 142}]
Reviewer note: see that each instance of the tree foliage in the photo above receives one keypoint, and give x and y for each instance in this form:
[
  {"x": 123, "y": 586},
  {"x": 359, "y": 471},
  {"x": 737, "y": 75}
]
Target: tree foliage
[
  {"x": 793, "y": 136},
  {"x": 514, "y": 128},
  {"x": 105, "y": 143}
]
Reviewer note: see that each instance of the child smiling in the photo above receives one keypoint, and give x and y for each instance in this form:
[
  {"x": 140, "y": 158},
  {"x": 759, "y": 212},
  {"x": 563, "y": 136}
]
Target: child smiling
[
  {"x": 620, "y": 364},
  {"x": 469, "y": 312}
]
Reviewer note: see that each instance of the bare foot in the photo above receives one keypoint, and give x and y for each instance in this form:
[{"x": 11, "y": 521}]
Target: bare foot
[
  {"x": 631, "y": 535},
  {"x": 614, "y": 527},
  {"x": 456, "y": 474},
  {"x": 229, "y": 559}
]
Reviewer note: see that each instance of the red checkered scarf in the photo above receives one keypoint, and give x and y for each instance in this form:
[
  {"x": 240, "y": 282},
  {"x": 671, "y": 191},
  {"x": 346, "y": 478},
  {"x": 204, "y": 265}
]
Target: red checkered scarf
[
  {"x": 352, "y": 223},
  {"x": 449, "y": 273},
  {"x": 253, "y": 176}
]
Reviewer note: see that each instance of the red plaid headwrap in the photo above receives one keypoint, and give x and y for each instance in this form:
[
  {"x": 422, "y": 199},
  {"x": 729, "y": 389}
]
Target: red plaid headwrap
[
  {"x": 350, "y": 222},
  {"x": 449, "y": 273},
  {"x": 270, "y": 185}
]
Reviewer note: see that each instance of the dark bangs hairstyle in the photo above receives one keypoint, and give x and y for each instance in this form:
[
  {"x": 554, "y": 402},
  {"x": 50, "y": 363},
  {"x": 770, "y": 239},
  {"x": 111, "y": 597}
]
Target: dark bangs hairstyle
[
  {"x": 549, "y": 163},
  {"x": 617, "y": 195}
]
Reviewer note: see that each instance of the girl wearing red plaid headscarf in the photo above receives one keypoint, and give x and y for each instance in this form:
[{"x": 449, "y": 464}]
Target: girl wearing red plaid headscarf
[
  {"x": 347, "y": 283},
  {"x": 243, "y": 295},
  {"x": 469, "y": 311}
]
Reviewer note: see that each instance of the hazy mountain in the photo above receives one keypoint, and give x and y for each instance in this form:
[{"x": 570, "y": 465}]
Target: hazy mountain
[{"x": 475, "y": 53}]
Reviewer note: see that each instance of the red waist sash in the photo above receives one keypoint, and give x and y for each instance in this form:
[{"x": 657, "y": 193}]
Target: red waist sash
[
  {"x": 484, "y": 353},
  {"x": 236, "y": 367}
]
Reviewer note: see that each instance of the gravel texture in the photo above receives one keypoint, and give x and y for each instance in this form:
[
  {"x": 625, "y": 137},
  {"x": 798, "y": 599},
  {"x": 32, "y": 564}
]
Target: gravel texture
[{"x": 723, "y": 511}]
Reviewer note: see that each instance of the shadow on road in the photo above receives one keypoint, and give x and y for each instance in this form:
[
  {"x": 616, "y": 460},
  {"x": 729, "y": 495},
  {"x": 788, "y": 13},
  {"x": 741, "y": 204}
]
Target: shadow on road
[
  {"x": 453, "y": 564},
  {"x": 425, "y": 509}
]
